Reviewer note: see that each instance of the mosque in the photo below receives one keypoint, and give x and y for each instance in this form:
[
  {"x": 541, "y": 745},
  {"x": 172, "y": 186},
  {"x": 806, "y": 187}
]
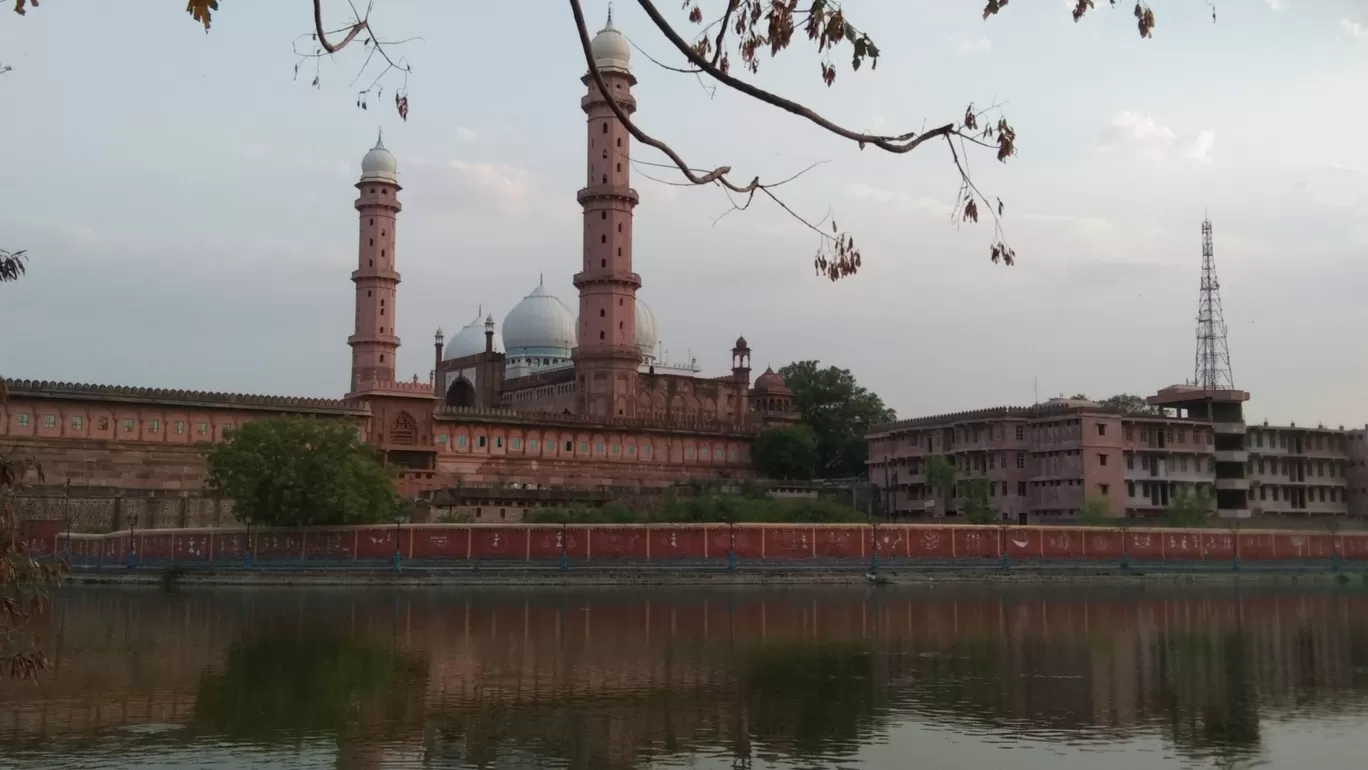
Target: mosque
[{"x": 553, "y": 397}]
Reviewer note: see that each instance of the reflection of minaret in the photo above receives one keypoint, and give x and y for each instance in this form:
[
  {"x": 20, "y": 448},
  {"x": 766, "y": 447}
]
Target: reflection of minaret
[
  {"x": 374, "y": 343},
  {"x": 606, "y": 358}
]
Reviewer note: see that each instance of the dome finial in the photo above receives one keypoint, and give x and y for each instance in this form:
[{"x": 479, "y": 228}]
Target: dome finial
[
  {"x": 379, "y": 139},
  {"x": 610, "y": 16},
  {"x": 541, "y": 279}
]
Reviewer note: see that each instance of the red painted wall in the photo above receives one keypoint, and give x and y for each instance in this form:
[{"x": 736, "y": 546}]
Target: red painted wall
[{"x": 697, "y": 542}]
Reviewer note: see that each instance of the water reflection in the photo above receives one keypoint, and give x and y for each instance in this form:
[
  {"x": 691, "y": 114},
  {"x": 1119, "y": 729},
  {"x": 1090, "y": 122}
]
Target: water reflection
[{"x": 1135, "y": 677}]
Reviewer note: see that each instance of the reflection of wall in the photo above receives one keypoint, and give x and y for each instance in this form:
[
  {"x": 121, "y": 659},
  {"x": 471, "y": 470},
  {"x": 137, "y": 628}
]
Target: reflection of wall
[{"x": 589, "y": 672}]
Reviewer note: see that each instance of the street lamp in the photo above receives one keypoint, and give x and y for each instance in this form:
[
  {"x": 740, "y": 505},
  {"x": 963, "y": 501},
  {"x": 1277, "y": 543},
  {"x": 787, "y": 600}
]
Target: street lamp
[{"x": 398, "y": 557}]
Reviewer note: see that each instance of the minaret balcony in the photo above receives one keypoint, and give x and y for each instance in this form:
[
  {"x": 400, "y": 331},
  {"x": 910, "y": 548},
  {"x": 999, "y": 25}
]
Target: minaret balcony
[
  {"x": 627, "y": 102},
  {"x": 625, "y": 353},
  {"x": 375, "y": 273},
  {"x": 601, "y": 276},
  {"x": 600, "y": 191}
]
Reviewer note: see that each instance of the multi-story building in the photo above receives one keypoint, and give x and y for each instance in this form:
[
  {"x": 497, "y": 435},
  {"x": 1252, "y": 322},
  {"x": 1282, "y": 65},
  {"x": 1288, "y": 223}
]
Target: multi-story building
[{"x": 1041, "y": 462}]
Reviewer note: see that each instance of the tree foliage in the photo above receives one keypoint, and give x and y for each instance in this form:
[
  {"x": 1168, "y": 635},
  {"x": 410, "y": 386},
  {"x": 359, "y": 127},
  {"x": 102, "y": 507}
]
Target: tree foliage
[
  {"x": 840, "y": 413},
  {"x": 11, "y": 265},
  {"x": 785, "y": 452},
  {"x": 939, "y": 473},
  {"x": 23, "y": 579},
  {"x": 301, "y": 471},
  {"x": 1095, "y": 510},
  {"x": 1189, "y": 508},
  {"x": 974, "y": 504},
  {"x": 746, "y": 29},
  {"x": 1126, "y": 403}
]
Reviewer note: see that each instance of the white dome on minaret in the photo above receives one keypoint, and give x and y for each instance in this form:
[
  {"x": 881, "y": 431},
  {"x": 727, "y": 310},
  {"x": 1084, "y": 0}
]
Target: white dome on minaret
[
  {"x": 379, "y": 164},
  {"x": 540, "y": 325},
  {"x": 610, "y": 49},
  {"x": 469, "y": 340},
  {"x": 646, "y": 333}
]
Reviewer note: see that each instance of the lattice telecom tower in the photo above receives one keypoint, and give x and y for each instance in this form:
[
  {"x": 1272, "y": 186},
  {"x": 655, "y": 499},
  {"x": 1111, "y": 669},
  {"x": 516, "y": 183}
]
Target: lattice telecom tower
[{"x": 1212, "y": 368}]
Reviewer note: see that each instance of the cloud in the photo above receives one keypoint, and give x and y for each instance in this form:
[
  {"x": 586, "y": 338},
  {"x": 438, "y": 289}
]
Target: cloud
[
  {"x": 967, "y": 46},
  {"x": 465, "y": 134},
  {"x": 1277, "y": 5},
  {"x": 1147, "y": 138},
  {"x": 896, "y": 199},
  {"x": 1354, "y": 29}
]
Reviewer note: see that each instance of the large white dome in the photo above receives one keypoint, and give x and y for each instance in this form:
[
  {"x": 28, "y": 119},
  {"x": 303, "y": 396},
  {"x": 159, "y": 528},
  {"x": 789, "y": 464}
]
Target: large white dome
[
  {"x": 540, "y": 325},
  {"x": 379, "y": 164},
  {"x": 610, "y": 49},
  {"x": 646, "y": 333},
  {"x": 469, "y": 340}
]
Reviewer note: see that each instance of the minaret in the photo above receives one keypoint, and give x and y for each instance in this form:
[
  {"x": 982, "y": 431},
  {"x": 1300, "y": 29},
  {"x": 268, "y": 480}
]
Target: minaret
[
  {"x": 606, "y": 358},
  {"x": 374, "y": 343}
]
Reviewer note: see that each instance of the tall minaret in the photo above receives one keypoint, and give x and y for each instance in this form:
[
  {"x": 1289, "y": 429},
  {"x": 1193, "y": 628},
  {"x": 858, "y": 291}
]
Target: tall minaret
[
  {"x": 374, "y": 344},
  {"x": 607, "y": 358}
]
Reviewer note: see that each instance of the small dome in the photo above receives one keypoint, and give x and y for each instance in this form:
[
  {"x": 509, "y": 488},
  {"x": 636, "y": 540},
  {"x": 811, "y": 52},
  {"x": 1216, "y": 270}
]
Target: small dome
[
  {"x": 741, "y": 344},
  {"x": 646, "y": 333},
  {"x": 539, "y": 325},
  {"x": 379, "y": 164},
  {"x": 611, "y": 50},
  {"x": 468, "y": 341},
  {"x": 770, "y": 382}
]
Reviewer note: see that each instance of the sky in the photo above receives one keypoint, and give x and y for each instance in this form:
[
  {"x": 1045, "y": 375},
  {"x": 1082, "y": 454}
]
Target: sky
[{"x": 186, "y": 199}]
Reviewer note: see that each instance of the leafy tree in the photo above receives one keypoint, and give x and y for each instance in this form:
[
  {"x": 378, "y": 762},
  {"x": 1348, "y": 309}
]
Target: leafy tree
[
  {"x": 1188, "y": 508},
  {"x": 940, "y": 476},
  {"x": 973, "y": 504},
  {"x": 301, "y": 471},
  {"x": 745, "y": 30},
  {"x": 840, "y": 413},
  {"x": 11, "y": 265},
  {"x": 22, "y": 578},
  {"x": 1126, "y": 403},
  {"x": 1095, "y": 510},
  {"x": 785, "y": 452}
]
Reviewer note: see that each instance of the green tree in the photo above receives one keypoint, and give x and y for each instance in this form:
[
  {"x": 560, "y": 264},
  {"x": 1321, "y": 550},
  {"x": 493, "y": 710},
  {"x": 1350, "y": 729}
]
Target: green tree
[
  {"x": 1096, "y": 510},
  {"x": 1129, "y": 403},
  {"x": 940, "y": 476},
  {"x": 23, "y": 579},
  {"x": 974, "y": 504},
  {"x": 730, "y": 39},
  {"x": 840, "y": 413},
  {"x": 301, "y": 471},
  {"x": 1189, "y": 508},
  {"x": 785, "y": 452}
]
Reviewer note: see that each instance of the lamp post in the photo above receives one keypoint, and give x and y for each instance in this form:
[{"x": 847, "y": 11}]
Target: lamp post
[
  {"x": 131, "y": 560},
  {"x": 564, "y": 558},
  {"x": 398, "y": 556},
  {"x": 731, "y": 546}
]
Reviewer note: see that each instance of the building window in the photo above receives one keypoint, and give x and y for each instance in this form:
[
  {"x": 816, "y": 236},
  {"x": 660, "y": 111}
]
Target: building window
[
  {"x": 1021, "y": 489},
  {"x": 127, "y": 425},
  {"x": 180, "y": 426},
  {"x": 1130, "y": 489},
  {"x": 1130, "y": 462},
  {"x": 461, "y": 441},
  {"x": 516, "y": 443},
  {"x": 1021, "y": 432},
  {"x": 614, "y": 450},
  {"x": 1101, "y": 429},
  {"x": 631, "y": 450},
  {"x": 441, "y": 440},
  {"x": 77, "y": 422},
  {"x": 481, "y": 442},
  {"x": 49, "y": 421},
  {"x": 567, "y": 446},
  {"x": 532, "y": 444},
  {"x": 1129, "y": 433},
  {"x": 202, "y": 429},
  {"x": 23, "y": 420},
  {"x": 1021, "y": 460},
  {"x": 102, "y": 423},
  {"x": 646, "y": 451},
  {"x": 689, "y": 453},
  {"x": 154, "y": 426},
  {"x": 1103, "y": 489}
]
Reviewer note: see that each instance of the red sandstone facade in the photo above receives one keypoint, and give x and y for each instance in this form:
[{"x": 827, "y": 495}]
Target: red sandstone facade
[{"x": 603, "y": 414}]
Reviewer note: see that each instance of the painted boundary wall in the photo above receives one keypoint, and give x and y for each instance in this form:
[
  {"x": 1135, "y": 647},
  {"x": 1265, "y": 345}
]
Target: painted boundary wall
[{"x": 581, "y": 543}]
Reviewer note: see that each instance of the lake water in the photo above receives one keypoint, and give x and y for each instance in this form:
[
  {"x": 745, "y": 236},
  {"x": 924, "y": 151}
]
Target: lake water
[{"x": 1063, "y": 677}]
